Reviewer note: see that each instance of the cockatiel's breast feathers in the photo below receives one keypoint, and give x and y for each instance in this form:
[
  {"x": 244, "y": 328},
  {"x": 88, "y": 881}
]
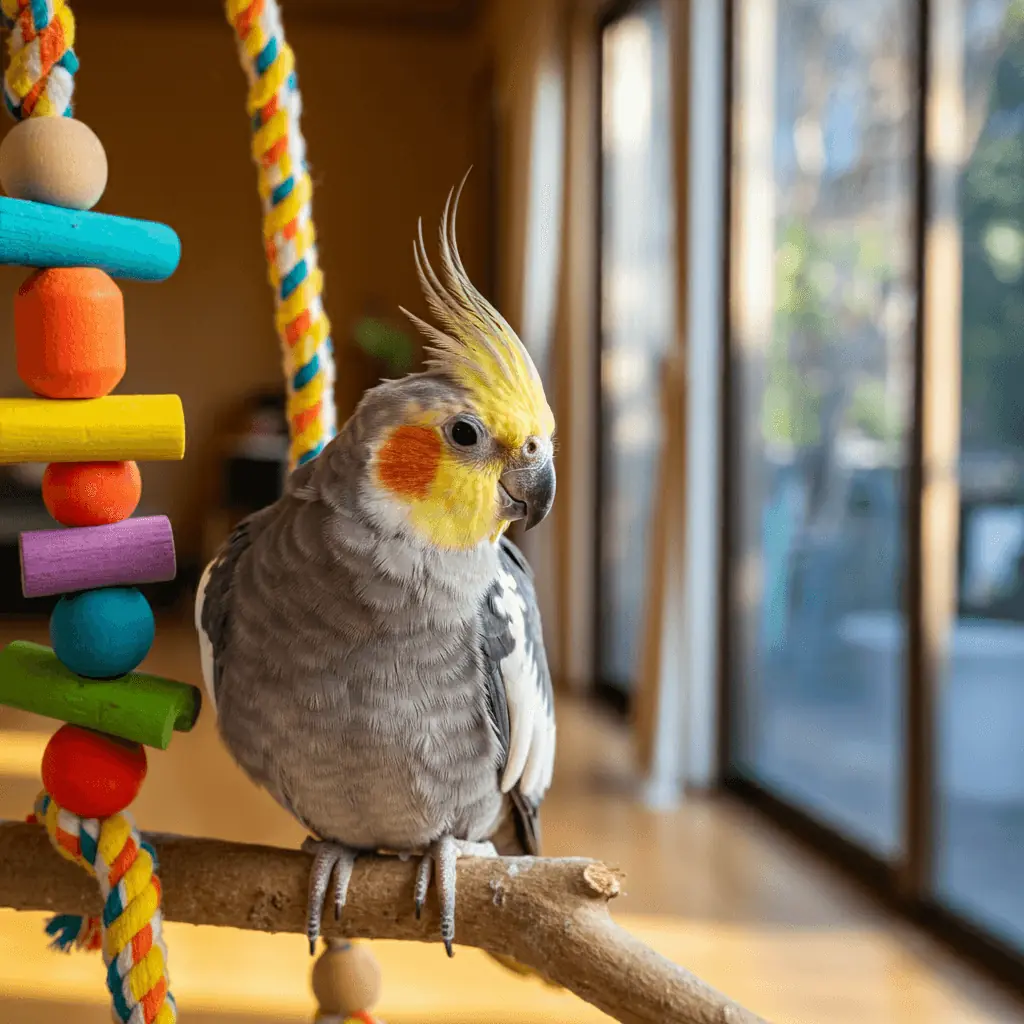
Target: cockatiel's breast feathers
[{"x": 479, "y": 350}]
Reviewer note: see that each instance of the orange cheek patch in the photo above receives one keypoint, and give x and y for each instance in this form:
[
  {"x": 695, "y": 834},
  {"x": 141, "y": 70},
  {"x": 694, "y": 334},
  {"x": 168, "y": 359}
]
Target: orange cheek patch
[{"x": 407, "y": 462}]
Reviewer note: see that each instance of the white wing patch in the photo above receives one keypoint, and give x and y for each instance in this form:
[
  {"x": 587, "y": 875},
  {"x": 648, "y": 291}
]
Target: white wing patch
[
  {"x": 531, "y": 750},
  {"x": 205, "y": 645}
]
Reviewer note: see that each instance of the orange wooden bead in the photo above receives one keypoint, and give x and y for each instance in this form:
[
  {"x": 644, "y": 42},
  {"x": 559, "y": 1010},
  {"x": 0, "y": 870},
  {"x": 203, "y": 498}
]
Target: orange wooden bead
[
  {"x": 91, "y": 493},
  {"x": 92, "y": 774},
  {"x": 69, "y": 332}
]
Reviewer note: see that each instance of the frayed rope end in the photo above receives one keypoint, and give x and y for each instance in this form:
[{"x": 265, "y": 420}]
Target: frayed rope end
[{"x": 71, "y": 931}]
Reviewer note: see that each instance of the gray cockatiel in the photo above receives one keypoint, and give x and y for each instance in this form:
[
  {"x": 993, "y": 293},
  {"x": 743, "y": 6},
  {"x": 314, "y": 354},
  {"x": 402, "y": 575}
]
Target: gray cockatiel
[{"x": 371, "y": 642}]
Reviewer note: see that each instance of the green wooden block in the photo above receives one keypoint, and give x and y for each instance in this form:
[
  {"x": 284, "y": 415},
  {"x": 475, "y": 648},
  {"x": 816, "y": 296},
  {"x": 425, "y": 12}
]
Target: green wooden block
[{"x": 138, "y": 706}]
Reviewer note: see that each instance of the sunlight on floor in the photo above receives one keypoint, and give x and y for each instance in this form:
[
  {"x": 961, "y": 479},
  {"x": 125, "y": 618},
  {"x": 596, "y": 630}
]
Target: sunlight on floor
[
  {"x": 789, "y": 976},
  {"x": 708, "y": 885}
]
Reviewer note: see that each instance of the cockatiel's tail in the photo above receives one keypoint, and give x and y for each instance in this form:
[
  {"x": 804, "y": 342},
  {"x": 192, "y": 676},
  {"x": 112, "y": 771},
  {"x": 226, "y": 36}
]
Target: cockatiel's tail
[{"x": 461, "y": 468}]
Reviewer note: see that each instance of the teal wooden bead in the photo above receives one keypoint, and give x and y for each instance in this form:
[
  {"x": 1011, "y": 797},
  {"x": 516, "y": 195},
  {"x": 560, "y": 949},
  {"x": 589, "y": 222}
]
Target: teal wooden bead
[{"x": 102, "y": 634}]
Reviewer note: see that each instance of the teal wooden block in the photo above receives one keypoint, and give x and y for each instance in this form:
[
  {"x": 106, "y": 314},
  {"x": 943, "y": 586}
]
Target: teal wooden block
[
  {"x": 37, "y": 235},
  {"x": 102, "y": 634}
]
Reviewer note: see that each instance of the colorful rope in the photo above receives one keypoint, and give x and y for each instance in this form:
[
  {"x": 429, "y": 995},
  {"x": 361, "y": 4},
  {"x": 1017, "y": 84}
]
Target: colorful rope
[
  {"x": 40, "y": 78},
  {"x": 113, "y": 852},
  {"x": 279, "y": 152}
]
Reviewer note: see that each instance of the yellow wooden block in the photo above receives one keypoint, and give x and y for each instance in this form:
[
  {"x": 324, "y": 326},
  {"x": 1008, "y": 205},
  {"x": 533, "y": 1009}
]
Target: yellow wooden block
[{"x": 117, "y": 428}]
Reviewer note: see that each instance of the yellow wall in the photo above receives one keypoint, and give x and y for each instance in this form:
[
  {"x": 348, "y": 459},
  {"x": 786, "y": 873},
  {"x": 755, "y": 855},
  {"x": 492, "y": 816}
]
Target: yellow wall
[{"x": 389, "y": 122}]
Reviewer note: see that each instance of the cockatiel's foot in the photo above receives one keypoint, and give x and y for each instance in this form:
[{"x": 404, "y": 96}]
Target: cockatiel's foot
[
  {"x": 328, "y": 859},
  {"x": 443, "y": 855}
]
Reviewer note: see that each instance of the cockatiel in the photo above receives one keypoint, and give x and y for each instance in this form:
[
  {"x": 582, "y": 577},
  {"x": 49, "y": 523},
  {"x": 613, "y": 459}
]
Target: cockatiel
[{"x": 371, "y": 642}]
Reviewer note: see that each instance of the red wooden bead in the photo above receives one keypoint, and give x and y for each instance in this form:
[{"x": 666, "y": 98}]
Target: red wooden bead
[
  {"x": 91, "y": 493},
  {"x": 92, "y": 774}
]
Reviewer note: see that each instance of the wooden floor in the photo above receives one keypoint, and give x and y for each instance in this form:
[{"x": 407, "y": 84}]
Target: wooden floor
[{"x": 709, "y": 886}]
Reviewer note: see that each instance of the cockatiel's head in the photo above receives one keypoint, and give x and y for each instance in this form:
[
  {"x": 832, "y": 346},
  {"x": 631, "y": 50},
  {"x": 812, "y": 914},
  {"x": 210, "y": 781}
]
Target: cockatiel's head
[{"x": 462, "y": 450}]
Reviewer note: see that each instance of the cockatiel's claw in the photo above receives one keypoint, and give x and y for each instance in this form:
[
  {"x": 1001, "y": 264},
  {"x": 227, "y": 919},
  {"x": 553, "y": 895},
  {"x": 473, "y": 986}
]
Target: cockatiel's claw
[
  {"x": 443, "y": 855},
  {"x": 328, "y": 859},
  {"x": 423, "y": 882}
]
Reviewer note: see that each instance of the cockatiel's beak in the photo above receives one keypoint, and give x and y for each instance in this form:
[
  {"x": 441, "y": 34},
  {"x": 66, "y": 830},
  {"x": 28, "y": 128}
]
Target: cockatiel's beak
[{"x": 529, "y": 492}]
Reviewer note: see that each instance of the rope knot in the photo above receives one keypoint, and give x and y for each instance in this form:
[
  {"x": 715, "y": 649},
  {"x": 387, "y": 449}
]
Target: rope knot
[{"x": 129, "y": 931}]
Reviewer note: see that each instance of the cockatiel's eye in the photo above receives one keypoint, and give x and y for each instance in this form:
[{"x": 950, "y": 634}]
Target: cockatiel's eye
[{"x": 464, "y": 433}]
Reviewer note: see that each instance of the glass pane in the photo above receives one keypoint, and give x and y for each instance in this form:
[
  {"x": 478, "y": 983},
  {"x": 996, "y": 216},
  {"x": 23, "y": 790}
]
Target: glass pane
[
  {"x": 637, "y": 319},
  {"x": 981, "y": 711},
  {"x": 822, "y": 323}
]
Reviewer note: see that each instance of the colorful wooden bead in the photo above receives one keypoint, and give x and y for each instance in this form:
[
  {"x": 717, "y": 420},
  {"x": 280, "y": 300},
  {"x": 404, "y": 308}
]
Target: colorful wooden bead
[
  {"x": 91, "y": 774},
  {"x": 91, "y": 493},
  {"x": 346, "y": 980},
  {"x": 111, "y": 429},
  {"x": 138, "y": 706},
  {"x": 120, "y": 554},
  {"x": 54, "y": 160},
  {"x": 37, "y": 235},
  {"x": 69, "y": 333},
  {"x": 102, "y": 634}
]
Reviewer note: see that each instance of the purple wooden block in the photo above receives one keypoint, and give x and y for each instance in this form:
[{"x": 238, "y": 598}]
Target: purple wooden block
[{"x": 85, "y": 558}]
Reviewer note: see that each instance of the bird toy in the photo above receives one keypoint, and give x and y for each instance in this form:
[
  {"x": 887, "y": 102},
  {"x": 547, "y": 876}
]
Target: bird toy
[
  {"x": 346, "y": 978},
  {"x": 274, "y": 105},
  {"x": 70, "y": 344}
]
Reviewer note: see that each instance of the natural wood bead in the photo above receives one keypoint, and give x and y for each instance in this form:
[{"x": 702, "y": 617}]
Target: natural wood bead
[
  {"x": 54, "y": 160},
  {"x": 346, "y": 980}
]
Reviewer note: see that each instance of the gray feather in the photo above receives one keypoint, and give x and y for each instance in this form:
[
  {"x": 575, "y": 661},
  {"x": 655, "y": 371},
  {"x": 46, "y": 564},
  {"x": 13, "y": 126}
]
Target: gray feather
[{"x": 356, "y": 676}]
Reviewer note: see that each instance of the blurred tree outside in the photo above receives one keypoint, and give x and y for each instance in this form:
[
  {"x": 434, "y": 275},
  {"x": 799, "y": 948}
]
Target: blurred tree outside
[{"x": 992, "y": 211}]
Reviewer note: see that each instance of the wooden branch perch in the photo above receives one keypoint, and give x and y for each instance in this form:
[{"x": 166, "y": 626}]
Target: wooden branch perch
[{"x": 551, "y": 915}]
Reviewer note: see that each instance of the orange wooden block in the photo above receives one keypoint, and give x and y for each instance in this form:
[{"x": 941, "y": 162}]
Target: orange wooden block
[
  {"x": 69, "y": 333},
  {"x": 91, "y": 493}
]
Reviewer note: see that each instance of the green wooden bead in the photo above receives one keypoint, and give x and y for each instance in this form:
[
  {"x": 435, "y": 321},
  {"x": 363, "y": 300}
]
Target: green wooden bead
[{"x": 138, "y": 706}]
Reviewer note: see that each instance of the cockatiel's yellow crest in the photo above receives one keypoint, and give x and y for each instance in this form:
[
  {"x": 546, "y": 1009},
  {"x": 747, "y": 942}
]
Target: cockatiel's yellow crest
[
  {"x": 465, "y": 448},
  {"x": 480, "y": 351}
]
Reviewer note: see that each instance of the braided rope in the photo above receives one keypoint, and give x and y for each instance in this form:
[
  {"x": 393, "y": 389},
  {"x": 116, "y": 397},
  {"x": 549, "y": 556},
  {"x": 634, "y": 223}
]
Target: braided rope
[
  {"x": 114, "y": 853},
  {"x": 40, "y": 78},
  {"x": 279, "y": 152}
]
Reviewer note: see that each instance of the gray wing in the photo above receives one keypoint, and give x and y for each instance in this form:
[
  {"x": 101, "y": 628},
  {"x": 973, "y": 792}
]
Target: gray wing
[
  {"x": 519, "y": 690},
  {"x": 214, "y": 600},
  {"x": 215, "y": 595}
]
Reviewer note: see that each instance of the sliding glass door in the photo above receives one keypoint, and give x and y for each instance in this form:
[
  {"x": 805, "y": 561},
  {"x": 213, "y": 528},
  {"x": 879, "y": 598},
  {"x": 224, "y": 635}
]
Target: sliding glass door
[
  {"x": 874, "y": 623},
  {"x": 979, "y": 824},
  {"x": 822, "y": 329}
]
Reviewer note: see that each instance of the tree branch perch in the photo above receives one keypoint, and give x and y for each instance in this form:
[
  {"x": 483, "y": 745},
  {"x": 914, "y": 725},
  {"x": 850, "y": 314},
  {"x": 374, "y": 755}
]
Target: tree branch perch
[{"x": 551, "y": 915}]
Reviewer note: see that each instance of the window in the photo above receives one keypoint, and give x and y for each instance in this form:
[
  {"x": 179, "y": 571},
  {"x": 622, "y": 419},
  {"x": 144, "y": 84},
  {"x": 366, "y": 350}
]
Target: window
[
  {"x": 822, "y": 332},
  {"x": 980, "y": 726},
  {"x": 874, "y": 464},
  {"x": 637, "y": 320}
]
